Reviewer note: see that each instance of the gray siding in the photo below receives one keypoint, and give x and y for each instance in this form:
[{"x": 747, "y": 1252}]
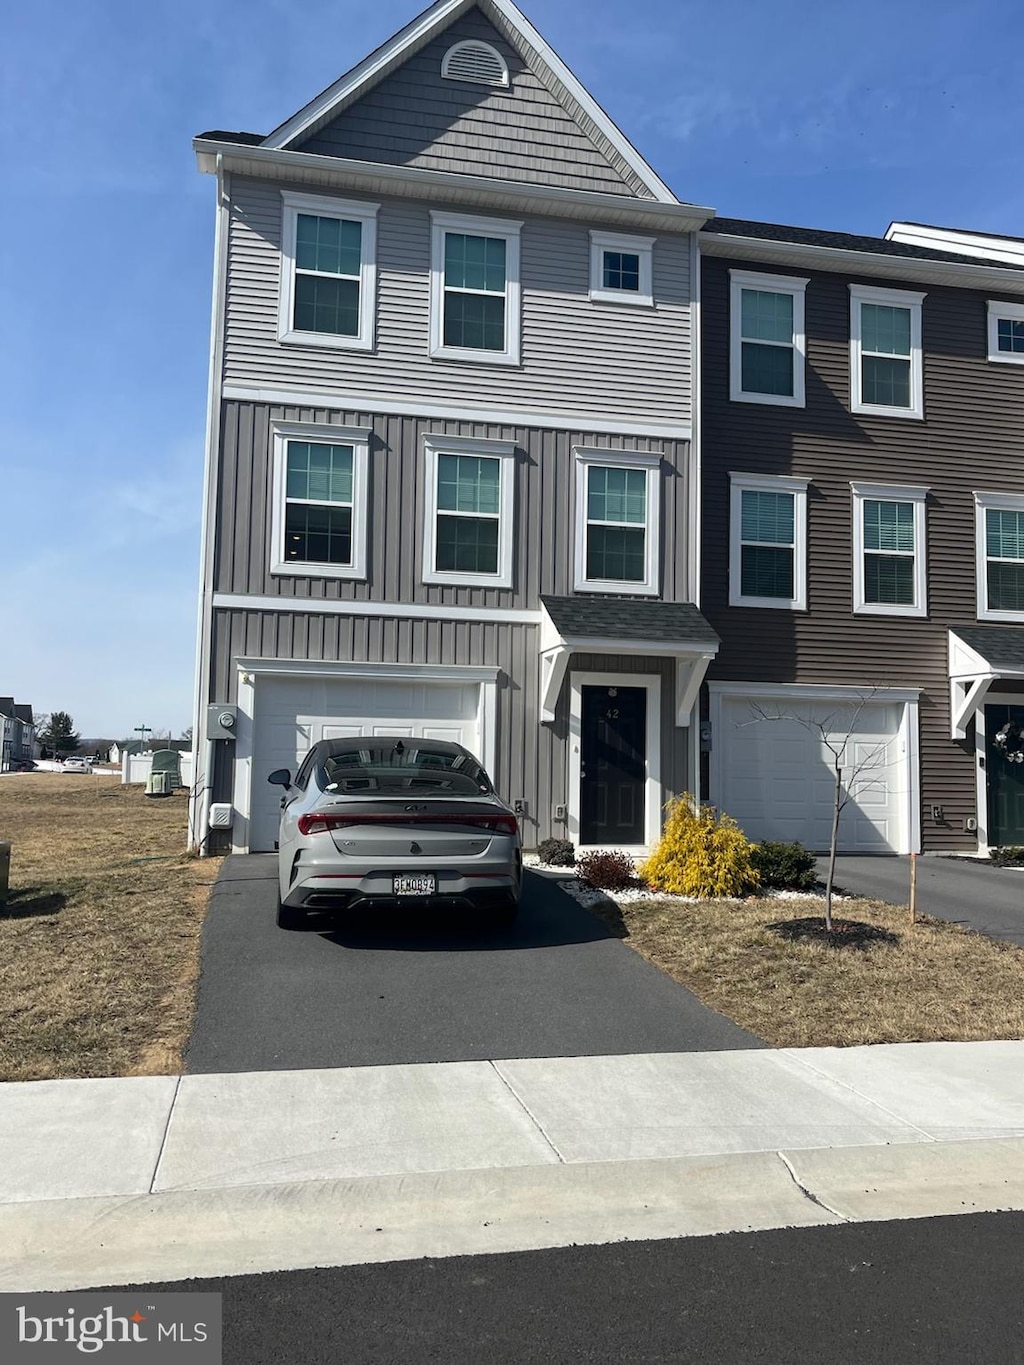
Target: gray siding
[
  {"x": 415, "y": 118},
  {"x": 618, "y": 361},
  {"x": 970, "y": 439},
  {"x": 532, "y": 758},
  {"x": 543, "y": 554}
]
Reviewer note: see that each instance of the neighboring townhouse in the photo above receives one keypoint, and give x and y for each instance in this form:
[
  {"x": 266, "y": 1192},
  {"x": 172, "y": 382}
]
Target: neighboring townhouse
[
  {"x": 450, "y": 470},
  {"x": 862, "y": 430},
  {"x": 17, "y": 733}
]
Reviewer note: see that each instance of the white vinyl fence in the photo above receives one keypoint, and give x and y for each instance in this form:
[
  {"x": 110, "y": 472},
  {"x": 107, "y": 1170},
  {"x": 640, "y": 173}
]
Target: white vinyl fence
[{"x": 136, "y": 767}]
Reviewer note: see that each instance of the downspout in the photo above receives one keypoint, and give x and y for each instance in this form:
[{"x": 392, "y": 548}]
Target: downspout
[
  {"x": 695, "y": 508},
  {"x": 202, "y": 789}
]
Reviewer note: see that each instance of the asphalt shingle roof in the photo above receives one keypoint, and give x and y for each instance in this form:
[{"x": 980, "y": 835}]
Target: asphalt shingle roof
[
  {"x": 629, "y": 618},
  {"x": 842, "y": 241},
  {"x": 1002, "y": 646}
]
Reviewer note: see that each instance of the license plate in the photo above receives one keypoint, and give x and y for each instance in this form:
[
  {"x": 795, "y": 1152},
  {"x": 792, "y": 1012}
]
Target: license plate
[{"x": 405, "y": 885}]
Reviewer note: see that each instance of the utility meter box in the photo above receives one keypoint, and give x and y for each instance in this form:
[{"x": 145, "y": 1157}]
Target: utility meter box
[{"x": 221, "y": 722}]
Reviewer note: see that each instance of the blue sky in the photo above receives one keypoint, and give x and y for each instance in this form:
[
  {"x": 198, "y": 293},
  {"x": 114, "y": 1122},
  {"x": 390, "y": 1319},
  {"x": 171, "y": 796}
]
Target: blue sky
[{"x": 827, "y": 115}]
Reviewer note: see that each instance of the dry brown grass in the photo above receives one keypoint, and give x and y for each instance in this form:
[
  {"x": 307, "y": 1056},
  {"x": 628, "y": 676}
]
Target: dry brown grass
[
  {"x": 99, "y": 944},
  {"x": 939, "y": 981}
]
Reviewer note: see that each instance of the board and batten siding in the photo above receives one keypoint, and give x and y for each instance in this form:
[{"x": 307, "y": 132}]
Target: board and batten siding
[
  {"x": 414, "y": 117},
  {"x": 971, "y": 438},
  {"x": 544, "y": 509},
  {"x": 532, "y": 759},
  {"x": 578, "y": 356}
]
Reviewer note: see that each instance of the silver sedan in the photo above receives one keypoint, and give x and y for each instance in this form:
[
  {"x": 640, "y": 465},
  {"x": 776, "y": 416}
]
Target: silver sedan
[{"x": 392, "y": 821}]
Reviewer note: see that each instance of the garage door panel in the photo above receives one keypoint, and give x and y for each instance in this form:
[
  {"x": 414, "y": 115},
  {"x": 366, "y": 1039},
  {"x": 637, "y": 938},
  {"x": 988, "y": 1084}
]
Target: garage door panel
[{"x": 777, "y": 776}]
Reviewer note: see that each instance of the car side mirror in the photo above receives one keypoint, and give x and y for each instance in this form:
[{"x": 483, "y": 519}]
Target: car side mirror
[{"x": 280, "y": 777}]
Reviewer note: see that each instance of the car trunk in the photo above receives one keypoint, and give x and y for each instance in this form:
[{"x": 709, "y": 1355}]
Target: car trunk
[{"x": 435, "y": 829}]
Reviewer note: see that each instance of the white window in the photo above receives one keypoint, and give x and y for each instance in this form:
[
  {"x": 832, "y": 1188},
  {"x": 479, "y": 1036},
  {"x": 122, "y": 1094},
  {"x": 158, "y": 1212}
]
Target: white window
[
  {"x": 889, "y": 575},
  {"x": 1000, "y": 556},
  {"x": 474, "y": 289},
  {"x": 328, "y": 272},
  {"x": 319, "y": 503},
  {"x": 768, "y": 345},
  {"x": 886, "y": 376},
  {"x": 1006, "y": 332},
  {"x": 768, "y": 542},
  {"x": 621, "y": 268},
  {"x": 617, "y": 521},
  {"x": 470, "y": 507}
]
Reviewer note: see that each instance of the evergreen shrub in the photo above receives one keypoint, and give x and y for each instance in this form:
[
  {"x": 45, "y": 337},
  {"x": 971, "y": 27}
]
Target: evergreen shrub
[
  {"x": 786, "y": 867},
  {"x": 701, "y": 853}
]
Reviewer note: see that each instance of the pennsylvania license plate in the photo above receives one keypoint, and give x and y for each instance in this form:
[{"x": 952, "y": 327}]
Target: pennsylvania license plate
[{"x": 405, "y": 885}]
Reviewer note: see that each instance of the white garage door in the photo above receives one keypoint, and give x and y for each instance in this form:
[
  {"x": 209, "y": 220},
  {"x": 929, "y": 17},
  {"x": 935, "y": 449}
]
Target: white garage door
[
  {"x": 291, "y": 714},
  {"x": 776, "y": 776}
]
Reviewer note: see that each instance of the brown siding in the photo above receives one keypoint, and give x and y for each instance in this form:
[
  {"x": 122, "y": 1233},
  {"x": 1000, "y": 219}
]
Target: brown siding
[
  {"x": 413, "y": 117},
  {"x": 969, "y": 439}
]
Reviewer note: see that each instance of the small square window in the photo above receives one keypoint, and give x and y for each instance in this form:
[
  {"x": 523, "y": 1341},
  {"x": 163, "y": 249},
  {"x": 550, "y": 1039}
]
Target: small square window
[
  {"x": 767, "y": 342},
  {"x": 1006, "y": 333},
  {"x": 328, "y": 272},
  {"x": 621, "y": 268},
  {"x": 767, "y": 542}
]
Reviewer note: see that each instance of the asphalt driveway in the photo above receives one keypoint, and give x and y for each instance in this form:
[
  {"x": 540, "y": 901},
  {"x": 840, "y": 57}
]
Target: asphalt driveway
[
  {"x": 967, "y": 891},
  {"x": 369, "y": 993}
]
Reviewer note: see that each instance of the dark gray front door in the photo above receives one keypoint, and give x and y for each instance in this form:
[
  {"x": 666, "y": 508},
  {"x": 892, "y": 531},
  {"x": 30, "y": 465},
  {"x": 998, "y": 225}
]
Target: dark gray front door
[
  {"x": 1005, "y": 778},
  {"x": 613, "y": 765}
]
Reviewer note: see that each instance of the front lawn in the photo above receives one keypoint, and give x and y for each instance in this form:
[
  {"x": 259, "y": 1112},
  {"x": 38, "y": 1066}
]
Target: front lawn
[
  {"x": 99, "y": 942},
  {"x": 938, "y": 982}
]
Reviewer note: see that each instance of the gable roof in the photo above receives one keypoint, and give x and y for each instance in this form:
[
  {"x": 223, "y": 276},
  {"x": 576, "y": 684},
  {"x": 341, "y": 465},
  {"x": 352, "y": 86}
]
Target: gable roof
[
  {"x": 524, "y": 38},
  {"x": 23, "y": 711}
]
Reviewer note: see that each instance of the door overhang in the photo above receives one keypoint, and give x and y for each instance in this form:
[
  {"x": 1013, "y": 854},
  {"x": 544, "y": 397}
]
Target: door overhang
[{"x": 980, "y": 656}]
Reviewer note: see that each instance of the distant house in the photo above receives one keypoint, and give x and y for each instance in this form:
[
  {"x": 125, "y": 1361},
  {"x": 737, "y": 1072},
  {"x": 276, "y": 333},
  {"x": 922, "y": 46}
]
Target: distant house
[
  {"x": 134, "y": 746},
  {"x": 17, "y": 733}
]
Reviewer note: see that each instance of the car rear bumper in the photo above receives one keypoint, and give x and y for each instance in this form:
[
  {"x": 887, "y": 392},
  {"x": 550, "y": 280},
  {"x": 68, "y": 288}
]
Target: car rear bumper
[{"x": 482, "y": 888}]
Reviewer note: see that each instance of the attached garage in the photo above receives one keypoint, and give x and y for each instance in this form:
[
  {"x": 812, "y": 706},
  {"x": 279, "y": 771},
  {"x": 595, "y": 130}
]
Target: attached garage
[
  {"x": 283, "y": 711},
  {"x": 772, "y": 770}
]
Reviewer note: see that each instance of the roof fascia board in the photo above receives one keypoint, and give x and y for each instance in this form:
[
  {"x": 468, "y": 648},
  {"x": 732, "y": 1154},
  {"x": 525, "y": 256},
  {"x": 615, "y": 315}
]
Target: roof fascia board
[
  {"x": 518, "y": 21},
  {"x": 956, "y": 239},
  {"x": 370, "y": 70},
  {"x": 604, "y": 644},
  {"x": 832, "y": 258},
  {"x": 674, "y": 216}
]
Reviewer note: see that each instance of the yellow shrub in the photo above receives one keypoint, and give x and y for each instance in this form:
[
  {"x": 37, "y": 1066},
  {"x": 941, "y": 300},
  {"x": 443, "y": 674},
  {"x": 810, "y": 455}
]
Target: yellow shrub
[{"x": 700, "y": 853}]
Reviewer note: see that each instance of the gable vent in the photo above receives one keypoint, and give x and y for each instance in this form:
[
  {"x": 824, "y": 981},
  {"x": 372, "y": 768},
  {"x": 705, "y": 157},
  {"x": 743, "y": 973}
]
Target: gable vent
[{"x": 476, "y": 62}]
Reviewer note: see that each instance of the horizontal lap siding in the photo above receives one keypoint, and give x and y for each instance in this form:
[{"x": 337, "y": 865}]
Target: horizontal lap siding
[
  {"x": 413, "y": 117},
  {"x": 970, "y": 440},
  {"x": 617, "y": 360},
  {"x": 544, "y": 509}
]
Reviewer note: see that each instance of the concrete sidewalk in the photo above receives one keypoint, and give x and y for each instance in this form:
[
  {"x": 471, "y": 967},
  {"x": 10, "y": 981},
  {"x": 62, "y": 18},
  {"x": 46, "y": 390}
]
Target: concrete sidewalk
[{"x": 151, "y": 1178}]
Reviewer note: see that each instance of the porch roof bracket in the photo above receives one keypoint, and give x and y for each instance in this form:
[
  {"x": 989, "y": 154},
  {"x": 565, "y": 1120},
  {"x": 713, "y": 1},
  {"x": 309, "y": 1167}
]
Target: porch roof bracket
[
  {"x": 553, "y": 663},
  {"x": 965, "y": 698},
  {"x": 690, "y": 673}
]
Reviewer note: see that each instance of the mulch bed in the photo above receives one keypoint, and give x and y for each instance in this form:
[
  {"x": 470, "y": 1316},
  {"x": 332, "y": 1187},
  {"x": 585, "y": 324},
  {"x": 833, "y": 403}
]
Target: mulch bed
[{"x": 845, "y": 933}]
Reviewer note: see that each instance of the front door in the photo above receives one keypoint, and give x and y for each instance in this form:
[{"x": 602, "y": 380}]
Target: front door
[
  {"x": 613, "y": 766},
  {"x": 1005, "y": 776}
]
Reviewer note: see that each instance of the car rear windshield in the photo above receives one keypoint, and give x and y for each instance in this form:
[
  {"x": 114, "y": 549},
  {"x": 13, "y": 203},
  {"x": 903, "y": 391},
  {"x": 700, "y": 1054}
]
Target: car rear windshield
[{"x": 395, "y": 769}]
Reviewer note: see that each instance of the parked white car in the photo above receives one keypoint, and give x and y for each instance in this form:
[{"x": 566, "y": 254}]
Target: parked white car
[{"x": 76, "y": 765}]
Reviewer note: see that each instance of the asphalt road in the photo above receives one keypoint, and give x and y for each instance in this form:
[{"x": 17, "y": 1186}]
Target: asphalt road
[
  {"x": 939, "y": 1291},
  {"x": 369, "y": 993},
  {"x": 967, "y": 891}
]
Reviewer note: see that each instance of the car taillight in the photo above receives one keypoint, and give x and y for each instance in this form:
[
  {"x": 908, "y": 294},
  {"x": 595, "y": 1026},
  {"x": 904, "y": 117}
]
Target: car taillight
[{"x": 317, "y": 822}]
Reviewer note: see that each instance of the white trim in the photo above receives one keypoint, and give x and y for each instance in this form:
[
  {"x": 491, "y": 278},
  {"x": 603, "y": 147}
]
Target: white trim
[
  {"x": 907, "y": 735},
  {"x": 651, "y": 682},
  {"x": 446, "y": 62},
  {"x": 694, "y": 513},
  {"x": 881, "y": 492},
  {"x": 248, "y": 669},
  {"x": 202, "y": 776},
  {"x": 641, "y": 247},
  {"x": 435, "y": 444},
  {"x": 319, "y": 434},
  {"x": 845, "y": 262},
  {"x": 352, "y": 210},
  {"x": 768, "y": 483},
  {"x": 988, "y": 246},
  {"x": 337, "y": 606},
  {"x": 1014, "y": 312},
  {"x": 354, "y": 401},
  {"x": 508, "y": 231},
  {"x": 769, "y": 284},
  {"x": 984, "y": 502},
  {"x": 888, "y": 298},
  {"x": 416, "y": 35},
  {"x": 584, "y": 459}
]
